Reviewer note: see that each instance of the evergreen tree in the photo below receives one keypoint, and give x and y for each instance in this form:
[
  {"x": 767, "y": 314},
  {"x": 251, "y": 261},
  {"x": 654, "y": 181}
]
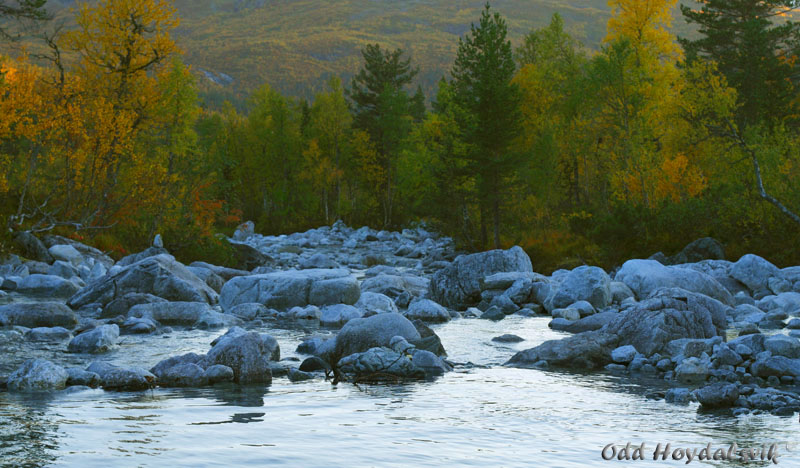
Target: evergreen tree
[
  {"x": 755, "y": 52},
  {"x": 381, "y": 107},
  {"x": 483, "y": 87}
]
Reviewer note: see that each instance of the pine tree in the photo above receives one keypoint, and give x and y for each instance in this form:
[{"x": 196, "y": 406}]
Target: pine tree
[
  {"x": 482, "y": 82},
  {"x": 381, "y": 107},
  {"x": 755, "y": 52}
]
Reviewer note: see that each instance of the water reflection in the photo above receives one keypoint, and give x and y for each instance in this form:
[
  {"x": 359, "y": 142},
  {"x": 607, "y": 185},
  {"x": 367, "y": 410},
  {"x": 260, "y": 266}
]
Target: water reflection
[{"x": 28, "y": 434}]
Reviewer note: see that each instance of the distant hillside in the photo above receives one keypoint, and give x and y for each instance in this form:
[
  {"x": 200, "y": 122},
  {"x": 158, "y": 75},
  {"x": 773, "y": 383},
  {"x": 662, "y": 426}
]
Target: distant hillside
[{"x": 296, "y": 45}]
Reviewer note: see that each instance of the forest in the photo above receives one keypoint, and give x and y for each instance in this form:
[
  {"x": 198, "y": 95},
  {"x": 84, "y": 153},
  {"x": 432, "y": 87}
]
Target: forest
[{"x": 579, "y": 154}]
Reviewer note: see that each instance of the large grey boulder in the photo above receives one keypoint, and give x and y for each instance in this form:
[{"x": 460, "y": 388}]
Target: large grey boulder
[
  {"x": 47, "y": 285},
  {"x": 718, "y": 395},
  {"x": 37, "y": 375},
  {"x": 782, "y": 345},
  {"x": 319, "y": 261},
  {"x": 160, "y": 275},
  {"x": 99, "y": 340},
  {"x": 380, "y": 364},
  {"x": 646, "y": 276},
  {"x": 459, "y": 285},
  {"x": 122, "y": 305},
  {"x": 755, "y": 272},
  {"x": 585, "y": 283},
  {"x": 32, "y": 247},
  {"x": 359, "y": 335},
  {"x": 427, "y": 311},
  {"x": 706, "y": 248},
  {"x": 38, "y": 314},
  {"x": 649, "y": 327},
  {"x": 777, "y": 366},
  {"x": 181, "y": 371},
  {"x": 286, "y": 289},
  {"x": 247, "y": 256},
  {"x": 171, "y": 313},
  {"x": 122, "y": 378},
  {"x": 247, "y": 353}
]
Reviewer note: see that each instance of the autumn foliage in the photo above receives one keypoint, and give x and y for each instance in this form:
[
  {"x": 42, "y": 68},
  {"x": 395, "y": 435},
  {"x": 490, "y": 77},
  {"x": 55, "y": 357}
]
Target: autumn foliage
[{"x": 638, "y": 144}]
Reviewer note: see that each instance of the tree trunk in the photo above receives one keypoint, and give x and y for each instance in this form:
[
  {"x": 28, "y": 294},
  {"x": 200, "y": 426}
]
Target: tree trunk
[{"x": 496, "y": 217}]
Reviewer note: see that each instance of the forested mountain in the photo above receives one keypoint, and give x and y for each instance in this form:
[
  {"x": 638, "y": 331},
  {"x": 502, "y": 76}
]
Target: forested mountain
[{"x": 297, "y": 45}]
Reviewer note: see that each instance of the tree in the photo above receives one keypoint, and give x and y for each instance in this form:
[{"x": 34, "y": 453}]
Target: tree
[
  {"x": 21, "y": 10},
  {"x": 380, "y": 106},
  {"x": 482, "y": 83},
  {"x": 753, "y": 49},
  {"x": 329, "y": 125}
]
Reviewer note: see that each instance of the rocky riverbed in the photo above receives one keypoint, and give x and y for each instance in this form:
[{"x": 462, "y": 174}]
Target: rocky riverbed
[{"x": 358, "y": 306}]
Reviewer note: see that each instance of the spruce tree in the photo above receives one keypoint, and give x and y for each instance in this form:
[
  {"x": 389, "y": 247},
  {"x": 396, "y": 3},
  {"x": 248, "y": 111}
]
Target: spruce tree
[
  {"x": 754, "y": 47},
  {"x": 483, "y": 87}
]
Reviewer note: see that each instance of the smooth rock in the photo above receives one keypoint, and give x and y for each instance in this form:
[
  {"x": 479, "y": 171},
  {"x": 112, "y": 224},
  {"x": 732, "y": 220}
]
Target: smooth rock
[
  {"x": 37, "y": 375},
  {"x": 38, "y": 314},
  {"x": 99, "y": 340},
  {"x": 427, "y": 311}
]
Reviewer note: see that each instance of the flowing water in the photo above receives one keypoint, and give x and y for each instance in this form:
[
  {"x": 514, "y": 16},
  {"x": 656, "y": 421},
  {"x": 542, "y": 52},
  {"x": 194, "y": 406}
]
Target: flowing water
[{"x": 481, "y": 415}]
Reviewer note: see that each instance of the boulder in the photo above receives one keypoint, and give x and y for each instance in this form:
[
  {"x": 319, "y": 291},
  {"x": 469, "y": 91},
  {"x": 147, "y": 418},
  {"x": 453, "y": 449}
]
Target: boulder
[
  {"x": 160, "y": 276},
  {"x": 318, "y": 261},
  {"x": 754, "y": 272},
  {"x": 38, "y": 314},
  {"x": 339, "y": 314},
  {"x": 782, "y": 345},
  {"x": 646, "y": 276},
  {"x": 244, "y": 230},
  {"x": 99, "y": 340},
  {"x": 183, "y": 375},
  {"x": 706, "y": 248},
  {"x": 137, "y": 257},
  {"x": 590, "y": 284},
  {"x": 225, "y": 273},
  {"x": 213, "y": 320},
  {"x": 359, "y": 335},
  {"x": 394, "y": 285},
  {"x": 37, "y": 375},
  {"x": 83, "y": 378},
  {"x": 692, "y": 371},
  {"x": 286, "y": 289},
  {"x": 122, "y": 378},
  {"x": 32, "y": 247},
  {"x": 219, "y": 373},
  {"x": 378, "y": 364},
  {"x": 248, "y": 311},
  {"x": 459, "y": 285},
  {"x": 248, "y": 257},
  {"x": 776, "y": 366},
  {"x": 63, "y": 269},
  {"x": 375, "y": 303},
  {"x": 86, "y": 251},
  {"x": 506, "y": 279},
  {"x": 649, "y": 327},
  {"x": 48, "y": 334},
  {"x": 247, "y": 353},
  {"x": 66, "y": 253},
  {"x": 213, "y": 280},
  {"x": 139, "y": 326},
  {"x": 624, "y": 354},
  {"x": 123, "y": 305},
  {"x": 47, "y": 285},
  {"x": 427, "y": 311},
  {"x": 718, "y": 395},
  {"x": 171, "y": 313}
]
